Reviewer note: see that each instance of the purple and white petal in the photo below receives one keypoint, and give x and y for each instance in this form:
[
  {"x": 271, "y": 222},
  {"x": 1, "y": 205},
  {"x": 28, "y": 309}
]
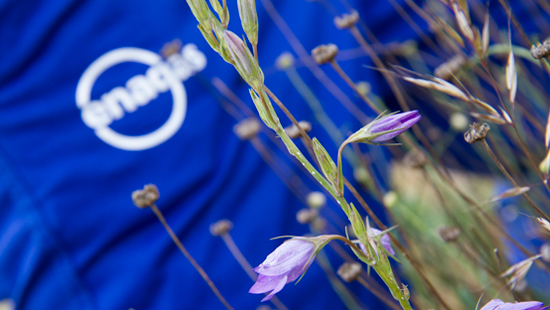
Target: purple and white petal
[
  {"x": 282, "y": 282},
  {"x": 265, "y": 284}
]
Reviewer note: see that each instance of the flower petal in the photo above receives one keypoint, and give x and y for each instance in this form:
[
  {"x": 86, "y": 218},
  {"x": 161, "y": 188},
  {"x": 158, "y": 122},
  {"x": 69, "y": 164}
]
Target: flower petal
[
  {"x": 492, "y": 305},
  {"x": 528, "y": 305},
  {"x": 277, "y": 288},
  {"x": 265, "y": 284},
  {"x": 291, "y": 254}
]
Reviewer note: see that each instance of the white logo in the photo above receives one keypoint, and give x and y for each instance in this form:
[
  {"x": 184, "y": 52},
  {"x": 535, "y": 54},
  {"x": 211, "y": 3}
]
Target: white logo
[{"x": 138, "y": 91}]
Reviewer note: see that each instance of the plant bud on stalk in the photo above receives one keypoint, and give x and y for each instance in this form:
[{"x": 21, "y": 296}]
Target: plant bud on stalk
[
  {"x": 544, "y": 165},
  {"x": 249, "y": 19},
  {"x": 202, "y": 13},
  {"x": 243, "y": 60},
  {"x": 386, "y": 127}
]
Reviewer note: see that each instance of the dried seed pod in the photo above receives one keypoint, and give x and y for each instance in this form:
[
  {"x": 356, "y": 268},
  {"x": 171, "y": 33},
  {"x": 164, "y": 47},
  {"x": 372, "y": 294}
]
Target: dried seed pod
[
  {"x": 294, "y": 133},
  {"x": 324, "y": 53},
  {"x": 145, "y": 197},
  {"x": 415, "y": 159},
  {"x": 171, "y": 48},
  {"x": 448, "y": 234},
  {"x": 306, "y": 216},
  {"x": 350, "y": 272},
  {"x": 221, "y": 227},
  {"x": 346, "y": 20},
  {"x": 476, "y": 132},
  {"x": 451, "y": 67},
  {"x": 541, "y": 50},
  {"x": 247, "y": 128}
]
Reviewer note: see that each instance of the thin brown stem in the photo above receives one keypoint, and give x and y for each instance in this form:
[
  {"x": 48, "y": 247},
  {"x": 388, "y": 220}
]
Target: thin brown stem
[
  {"x": 189, "y": 257},
  {"x": 352, "y": 85},
  {"x": 509, "y": 177}
]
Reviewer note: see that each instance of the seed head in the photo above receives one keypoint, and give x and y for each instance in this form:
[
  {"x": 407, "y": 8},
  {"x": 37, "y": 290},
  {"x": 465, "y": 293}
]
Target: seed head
[
  {"x": 350, "y": 272},
  {"x": 448, "y": 234},
  {"x": 541, "y": 50},
  {"x": 221, "y": 227},
  {"x": 324, "y": 53},
  {"x": 247, "y": 128},
  {"x": 145, "y": 197},
  {"x": 476, "y": 132},
  {"x": 346, "y": 20},
  {"x": 294, "y": 133},
  {"x": 447, "y": 69},
  {"x": 306, "y": 216}
]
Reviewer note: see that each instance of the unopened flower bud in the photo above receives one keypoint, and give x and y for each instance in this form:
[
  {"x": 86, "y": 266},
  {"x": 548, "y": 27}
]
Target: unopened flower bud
[
  {"x": 385, "y": 127},
  {"x": 350, "y": 272},
  {"x": 541, "y": 50},
  {"x": 346, "y": 20},
  {"x": 316, "y": 200},
  {"x": 145, "y": 197},
  {"x": 306, "y": 216},
  {"x": 448, "y": 234},
  {"x": 477, "y": 132},
  {"x": 545, "y": 252},
  {"x": 200, "y": 10},
  {"x": 458, "y": 121},
  {"x": 451, "y": 67},
  {"x": 242, "y": 58},
  {"x": 294, "y": 133},
  {"x": 284, "y": 61},
  {"x": 415, "y": 159},
  {"x": 324, "y": 53},
  {"x": 247, "y": 128},
  {"x": 249, "y": 19},
  {"x": 221, "y": 227},
  {"x": 390, "y": 199}
]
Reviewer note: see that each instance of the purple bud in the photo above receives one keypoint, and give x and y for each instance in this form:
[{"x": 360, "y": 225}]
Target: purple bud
[
  {"x": 401, "y": 121},
  {"x": 239, "y": 54},
  {"x": 497, "y": 304},
  {"x": 284, "y": 265},
  {"x": 385, "y": 240}
]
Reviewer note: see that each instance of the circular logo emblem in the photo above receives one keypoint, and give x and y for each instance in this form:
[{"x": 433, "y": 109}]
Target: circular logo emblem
[{"x": 139, "y": 91}]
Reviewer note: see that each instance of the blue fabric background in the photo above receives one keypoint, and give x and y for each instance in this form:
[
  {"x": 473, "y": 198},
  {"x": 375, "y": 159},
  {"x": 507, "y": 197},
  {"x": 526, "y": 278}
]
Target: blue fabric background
[{"x": 70, "y": 235}]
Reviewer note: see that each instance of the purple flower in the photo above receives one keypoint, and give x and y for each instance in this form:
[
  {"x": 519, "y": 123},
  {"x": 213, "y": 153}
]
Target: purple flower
[
  {"x": 385, "y": 240},
  {"x": 284, "y": 265},
  {"x": 497, "y": 304},
  {"x": 401, "y": 121}
]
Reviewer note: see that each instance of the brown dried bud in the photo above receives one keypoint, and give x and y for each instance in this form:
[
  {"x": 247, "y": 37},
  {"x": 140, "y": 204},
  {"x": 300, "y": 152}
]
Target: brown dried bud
[
  {"x": 448, "y": 234},
  {"x": 415, "y": 159},
  {"x": 545, "y": 252},
  {"x": 145, "y": 197},
  {"x": 476, "y": 132},
  {"x": 541, "y": 50},
  {"x": 349, "y": 272},
  {"x": 306, "y": 216},
  {"x": 346, "y": 20},
  {"x": 171, "y": 48},
  {"x": 294, "y": 133},
  {"x": 324, "y": 53},
  {"x": 449, "y": 68},
  {"x": 247, "y": 128},
  {"x": 221, "y": 227}
]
